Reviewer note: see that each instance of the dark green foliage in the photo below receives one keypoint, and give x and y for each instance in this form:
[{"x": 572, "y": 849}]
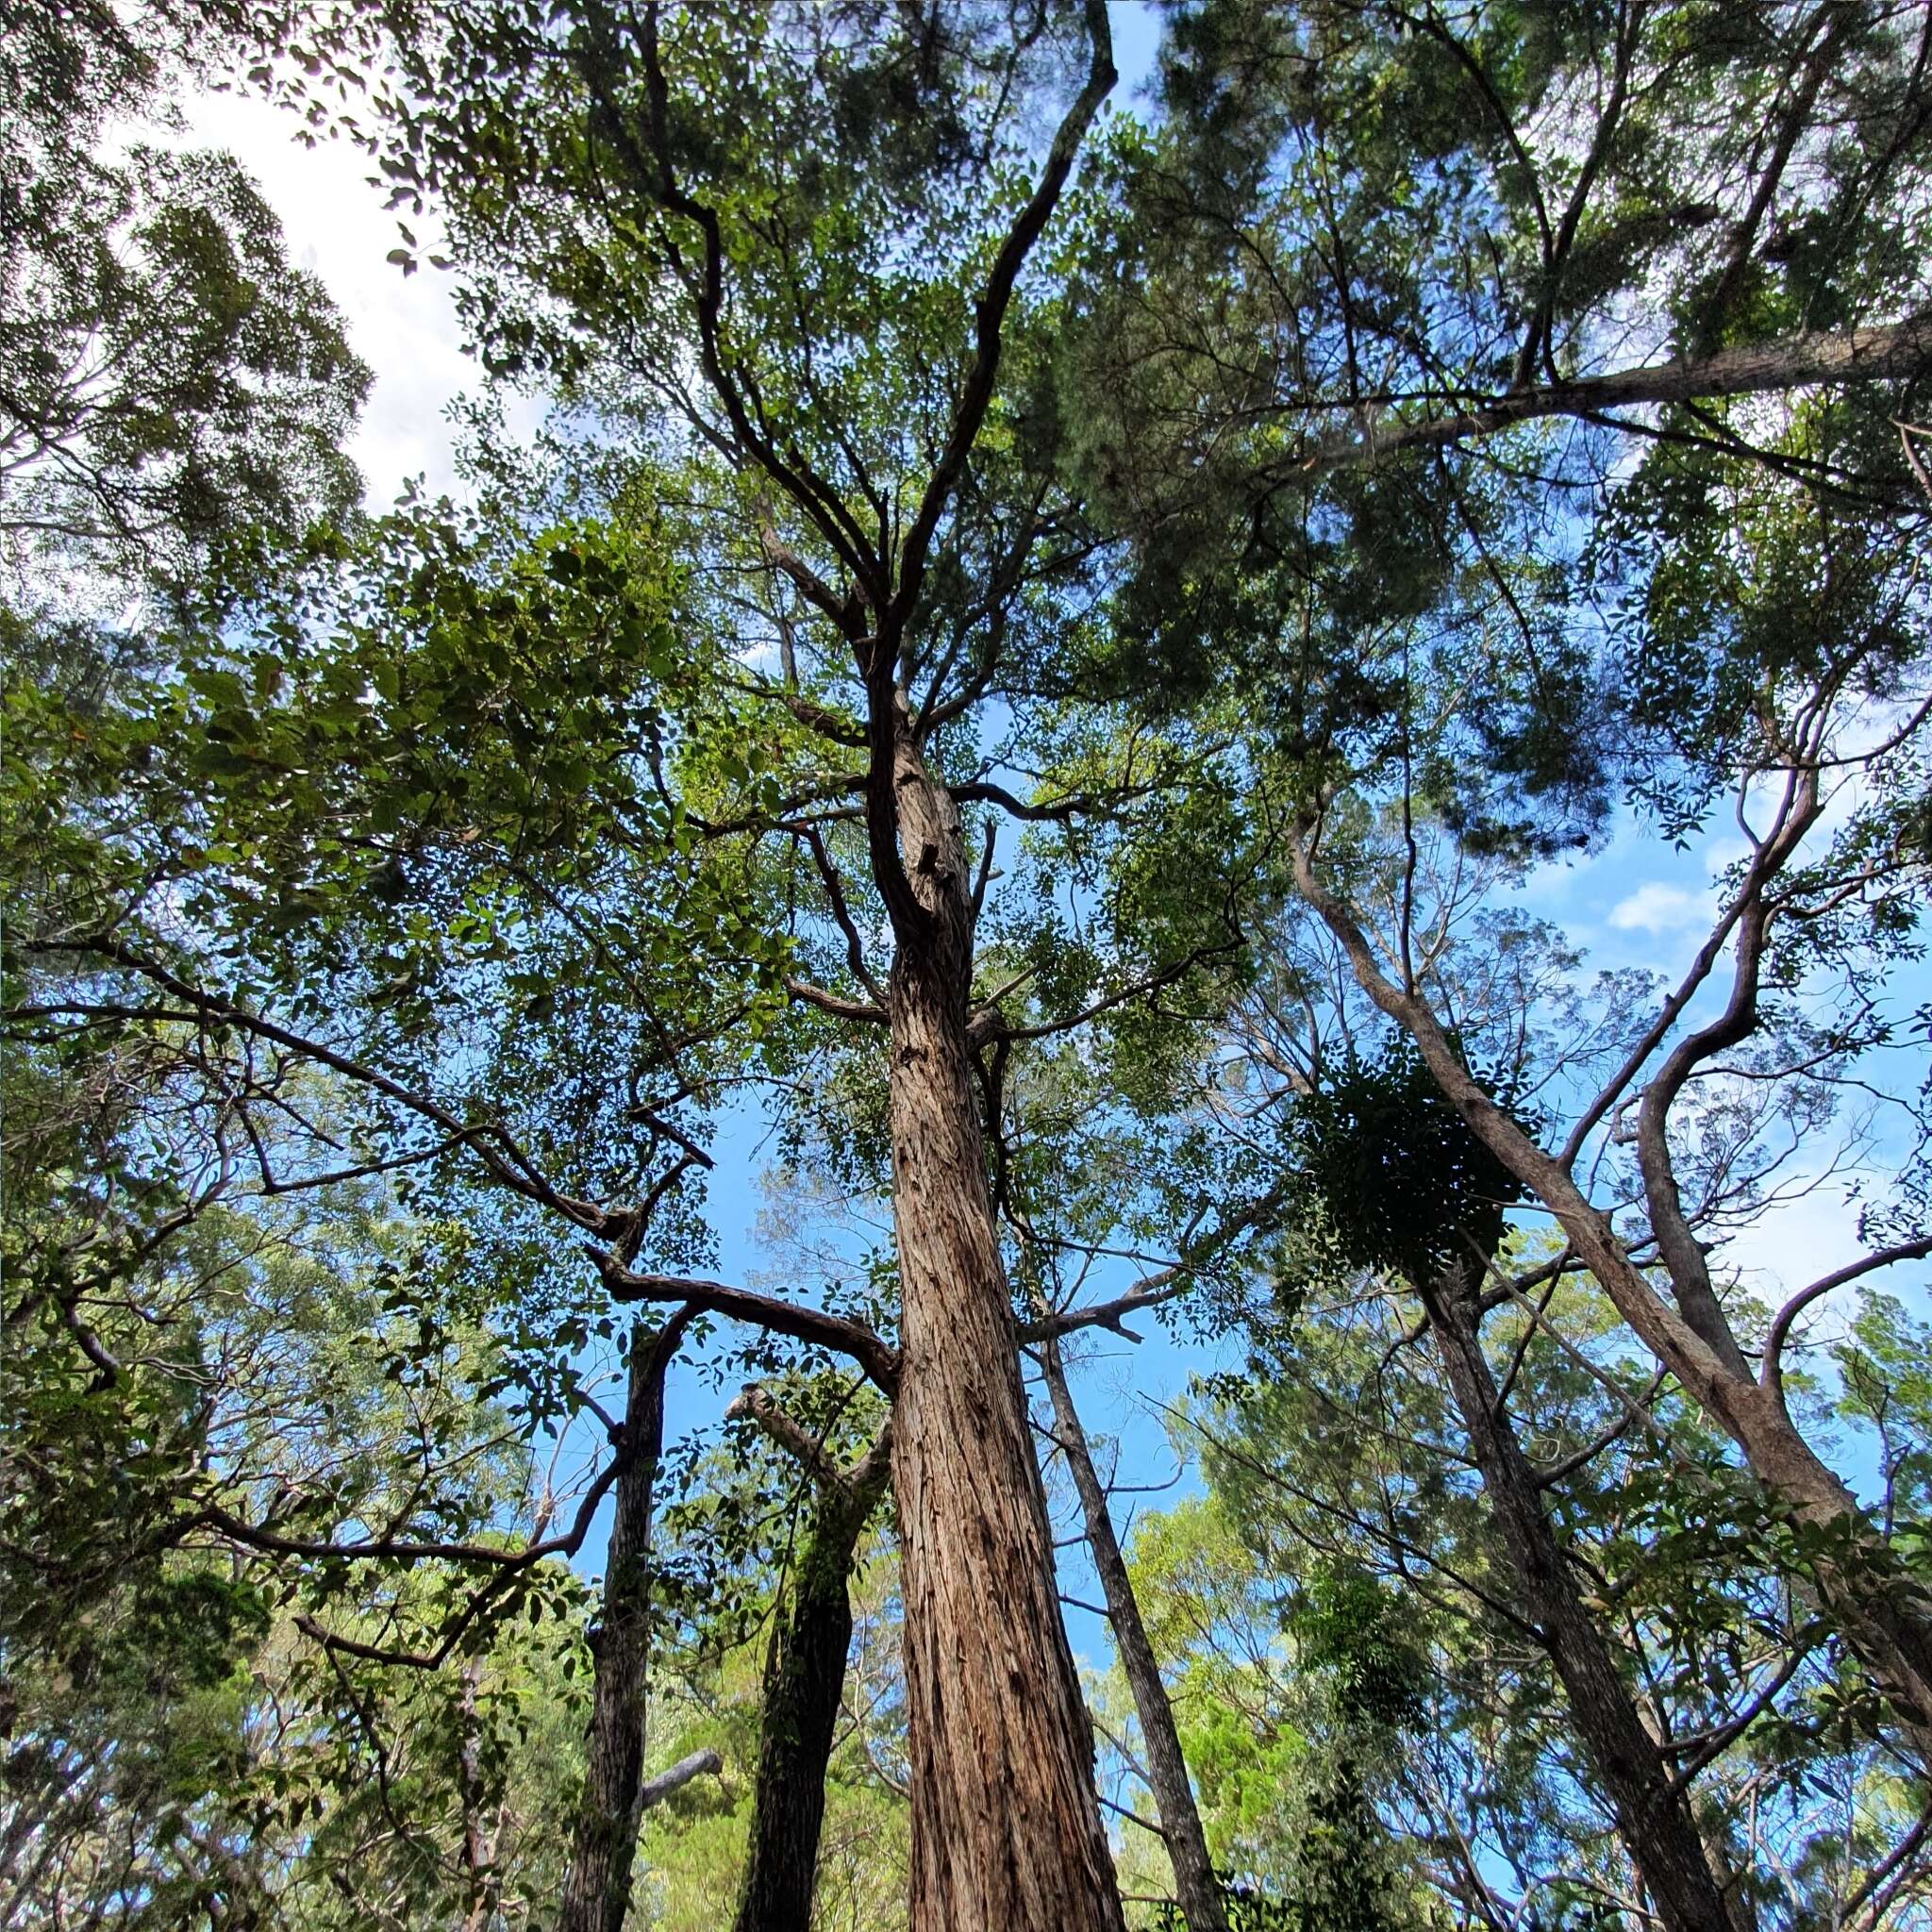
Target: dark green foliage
[
  {"x": 516, "y": 808},
  {"x": 1400, "y": 1180},
  {"x": 173, "y": 388},
  {"x": 1347, "y": 1622}
]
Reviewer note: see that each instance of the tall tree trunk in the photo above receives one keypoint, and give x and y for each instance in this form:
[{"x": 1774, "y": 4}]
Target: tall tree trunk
[
  {"x": 1195, "y": 1885},
  {"x": 596, "y": 1888},
  {"x": 1883, "y": 1616},
  {"x": 804, "y": 1680},
  {"x": 481, "y": 1879},
  {"x": 1655, "y": 1822},
  {"x": 1005, "y": 1825}
]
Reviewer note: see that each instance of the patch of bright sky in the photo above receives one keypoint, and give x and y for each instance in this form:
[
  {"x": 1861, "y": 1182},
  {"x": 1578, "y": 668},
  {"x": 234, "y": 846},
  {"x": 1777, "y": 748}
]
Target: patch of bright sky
[{"x": 405, "y": 329}]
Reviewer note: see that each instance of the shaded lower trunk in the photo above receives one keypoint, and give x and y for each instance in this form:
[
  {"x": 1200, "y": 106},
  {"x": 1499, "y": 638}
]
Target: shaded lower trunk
[
  {"x": 1654, "y": 1821},
  {"x": 596, "y": 1887},
  {"x": 804, "y": 1680},
  {"x": 1196, "y": 1887},
  {"x": 481, "y": 1880}
]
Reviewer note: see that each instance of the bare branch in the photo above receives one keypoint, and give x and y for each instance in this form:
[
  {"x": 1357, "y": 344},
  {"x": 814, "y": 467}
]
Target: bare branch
[
  {"x": 835, "y": 891},
  {"x": 811, "y": 995},
  {"x": 1152, "y": 982},
  {"x": 990, "y": 315},
  {"x": 1860, "y": 355},
  {"x": 836, "y": 1332},
  {"x": 1772, "y": 1371},
  {"x": 654, "y": 1790},
  {"x": 506, "y": 1160},
  {"x": 755, "y": 1403},
  {"x": 1163, "y": 1285}
]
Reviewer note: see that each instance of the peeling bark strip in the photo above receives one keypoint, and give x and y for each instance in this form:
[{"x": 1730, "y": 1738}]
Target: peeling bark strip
[
  {"x": 596, "y": 1888},
  {"x": 1006, "y": 1829},
  {"x": 1196, "y": 1887},
  {"x": 1653, "y": 1819}
]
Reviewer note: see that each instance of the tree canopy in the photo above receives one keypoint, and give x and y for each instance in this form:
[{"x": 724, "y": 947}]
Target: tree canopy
[{"x": 1063, "y": 694}]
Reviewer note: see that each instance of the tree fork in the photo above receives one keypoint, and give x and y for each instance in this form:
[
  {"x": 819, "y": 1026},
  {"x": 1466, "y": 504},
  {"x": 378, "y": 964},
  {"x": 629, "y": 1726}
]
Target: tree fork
[
  {"x": 1883, "y": 1617},
  {"x": 805, "y": 1677}
]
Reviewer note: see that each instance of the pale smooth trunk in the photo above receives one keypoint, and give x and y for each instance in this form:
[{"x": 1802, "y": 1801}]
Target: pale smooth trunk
[
  {"x": 1883, "y": 1616},
  {"x": 1196, "y": 1888}
]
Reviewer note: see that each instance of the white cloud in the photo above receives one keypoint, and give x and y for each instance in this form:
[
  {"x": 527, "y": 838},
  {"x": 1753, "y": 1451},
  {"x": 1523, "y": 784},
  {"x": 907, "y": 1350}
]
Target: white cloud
[
  {"x": 334, "y": 224},
  {"x": 1657, "y": 907}
]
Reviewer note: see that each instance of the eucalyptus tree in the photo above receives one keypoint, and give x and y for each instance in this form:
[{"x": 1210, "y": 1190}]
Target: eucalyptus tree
[
  {"x": 470, "y": 830},
  {"x": 1197, "y": 1886},
  {"x": 521, "y": 834},
  {"x": 596, "y": 1892},
  {"x": 1822, "y": 923},
  {"x": 1077, "y": 1172},
  {"x": 1432, "y": 1194},
  {"x": 1420, "y": 227},
  {"x": 807, "y": 1821},
  {"x": 1344, "y": 1456}
]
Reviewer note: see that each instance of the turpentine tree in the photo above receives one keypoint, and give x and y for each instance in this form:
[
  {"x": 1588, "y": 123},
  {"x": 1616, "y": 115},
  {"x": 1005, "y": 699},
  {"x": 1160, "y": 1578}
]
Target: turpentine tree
[{"x": 799, "y": 250}]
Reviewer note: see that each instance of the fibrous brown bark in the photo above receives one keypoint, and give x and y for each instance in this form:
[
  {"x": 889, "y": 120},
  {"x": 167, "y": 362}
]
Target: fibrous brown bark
[
  {"x": 1653, "y": 1819},
  {"x": 1005, "y": 1827},
  {"x": 596, "y": 1887},
  {"x": 804, "y": 1680},
  {"x": 1196, "y": 1887}
]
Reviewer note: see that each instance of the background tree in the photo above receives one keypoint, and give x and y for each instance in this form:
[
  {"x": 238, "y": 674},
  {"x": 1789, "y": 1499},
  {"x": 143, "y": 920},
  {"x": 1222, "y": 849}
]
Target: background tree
[{"x": 1400, "y": 663}]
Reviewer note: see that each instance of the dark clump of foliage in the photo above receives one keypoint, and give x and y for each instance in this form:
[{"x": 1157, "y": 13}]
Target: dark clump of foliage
[{"x": 1398, "y": 1178}]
